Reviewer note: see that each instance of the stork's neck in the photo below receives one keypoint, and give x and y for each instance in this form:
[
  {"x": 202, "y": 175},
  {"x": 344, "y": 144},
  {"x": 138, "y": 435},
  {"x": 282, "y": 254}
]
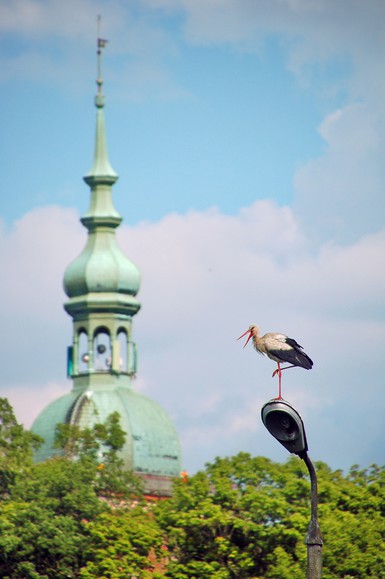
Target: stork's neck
[{"x": 256, "y": 338}]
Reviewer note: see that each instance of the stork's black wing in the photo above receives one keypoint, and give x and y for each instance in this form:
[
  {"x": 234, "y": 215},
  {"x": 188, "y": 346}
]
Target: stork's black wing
[{"x": 293, "y": 354}]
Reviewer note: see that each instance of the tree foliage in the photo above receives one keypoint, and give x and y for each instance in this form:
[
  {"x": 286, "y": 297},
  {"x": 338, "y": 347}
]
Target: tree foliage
[
  {"x": 247, "y": 517},
  {"x": 16, "y": 447},
  {"x": 123, "y": 543},
  {"x": 82, "y": 515},
  {"x": 98, "y": 447},
  {"x": 46, "y": 514},
  {"x": 240, "y": 518}
]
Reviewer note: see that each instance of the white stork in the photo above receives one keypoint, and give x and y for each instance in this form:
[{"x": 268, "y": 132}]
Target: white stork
[{"x": 279, "y": 348}]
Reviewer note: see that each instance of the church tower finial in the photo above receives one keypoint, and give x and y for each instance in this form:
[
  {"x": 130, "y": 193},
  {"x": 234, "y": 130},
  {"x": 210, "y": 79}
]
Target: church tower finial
[
  {"x": 101, "y": 42},
  {"x": 101, "y": 170}
]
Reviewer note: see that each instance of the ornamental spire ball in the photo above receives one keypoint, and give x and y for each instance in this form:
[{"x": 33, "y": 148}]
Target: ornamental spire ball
[{"x": 279, "y": 348}]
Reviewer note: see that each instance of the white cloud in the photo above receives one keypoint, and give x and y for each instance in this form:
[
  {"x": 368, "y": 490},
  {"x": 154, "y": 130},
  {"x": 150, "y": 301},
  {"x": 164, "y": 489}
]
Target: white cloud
[
  {"x": 34, "y": 253},
  {"x": 206, "y": 277},
  {"x": 33, "y": 256},
  {"x": 318, "y": 29},
  {"x": 30, "y": 398},
  {"x": 340, "y": 195}
]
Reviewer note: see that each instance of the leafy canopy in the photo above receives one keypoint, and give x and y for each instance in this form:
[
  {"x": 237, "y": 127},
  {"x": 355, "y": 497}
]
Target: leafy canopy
[{"x": 82, "y": 515}]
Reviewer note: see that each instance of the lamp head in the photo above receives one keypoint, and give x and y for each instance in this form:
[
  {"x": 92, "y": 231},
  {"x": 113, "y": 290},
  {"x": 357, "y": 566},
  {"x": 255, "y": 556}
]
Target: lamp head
[{"x": 285, "y": 424}]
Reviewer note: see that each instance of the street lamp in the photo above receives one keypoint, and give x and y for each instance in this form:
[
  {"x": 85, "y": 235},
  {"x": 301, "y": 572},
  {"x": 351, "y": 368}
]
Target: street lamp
[{"x": 285, "y": 424}]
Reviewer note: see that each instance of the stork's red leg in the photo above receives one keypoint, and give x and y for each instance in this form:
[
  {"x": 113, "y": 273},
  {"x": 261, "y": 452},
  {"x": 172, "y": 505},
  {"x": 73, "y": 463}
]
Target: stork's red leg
[
  {"x": 285, "y": 368},
  {"x": 279, "y": 372},
  {"x": 279, "y": 369}
]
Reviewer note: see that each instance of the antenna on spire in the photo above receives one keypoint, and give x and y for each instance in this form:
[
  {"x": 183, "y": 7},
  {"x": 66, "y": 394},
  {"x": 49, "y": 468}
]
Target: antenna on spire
[{"x": 101, "y": 43}]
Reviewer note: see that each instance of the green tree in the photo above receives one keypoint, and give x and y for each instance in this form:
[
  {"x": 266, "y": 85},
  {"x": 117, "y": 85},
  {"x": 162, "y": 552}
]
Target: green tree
[
  {"x": 82, "y": 514},
  {"x": 16, "y": 447},
  {"x": 234, "y": 520},
  {"x": 124, "y": 543},
  {"x": 352, "y": 515},
  {"x": 247, "y": 517},
  {"x": 99, "y": 447},
  {"x": 37, "y": 543},
  {"x": 46, "y": 514},
  {"x": 43, "y": 522}
]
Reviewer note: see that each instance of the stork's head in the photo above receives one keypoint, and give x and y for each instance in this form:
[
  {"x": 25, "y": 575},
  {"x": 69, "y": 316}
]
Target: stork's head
[{"x": 251, "y": 331}]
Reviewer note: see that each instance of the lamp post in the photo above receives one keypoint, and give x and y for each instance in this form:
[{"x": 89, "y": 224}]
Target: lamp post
[{"x": 285, "y": 424}]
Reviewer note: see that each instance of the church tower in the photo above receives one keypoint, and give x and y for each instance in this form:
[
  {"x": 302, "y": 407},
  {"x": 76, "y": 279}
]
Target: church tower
[{"x": 101, "y": 285}]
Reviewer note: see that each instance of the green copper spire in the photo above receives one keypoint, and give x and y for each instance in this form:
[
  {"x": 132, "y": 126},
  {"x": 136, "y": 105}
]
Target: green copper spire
[
  {"x": 101, "y": 285},
  {"x": 101, "y": 171},
  {"x": 102, "y": 281}
]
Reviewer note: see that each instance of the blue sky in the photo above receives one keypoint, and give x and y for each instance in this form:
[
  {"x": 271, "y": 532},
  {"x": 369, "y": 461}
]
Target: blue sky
[
  {"x": 211, "y": 141},
  {"x": 249, "y": 139}
]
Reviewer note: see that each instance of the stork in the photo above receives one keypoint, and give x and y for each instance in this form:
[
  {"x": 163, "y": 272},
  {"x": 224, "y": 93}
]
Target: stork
[{"x": 279, "y": 348}]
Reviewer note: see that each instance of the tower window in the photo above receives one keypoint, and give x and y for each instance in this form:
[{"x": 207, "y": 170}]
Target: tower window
[
  {"x": 102, "y": 350},
  {"x": 122, "y": 341},
  {"x": 83, "y": 353}
]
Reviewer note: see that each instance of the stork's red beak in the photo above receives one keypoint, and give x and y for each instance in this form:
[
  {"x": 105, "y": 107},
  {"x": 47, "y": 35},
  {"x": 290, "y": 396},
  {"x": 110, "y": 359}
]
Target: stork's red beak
[{"x": 249, "y": 337}]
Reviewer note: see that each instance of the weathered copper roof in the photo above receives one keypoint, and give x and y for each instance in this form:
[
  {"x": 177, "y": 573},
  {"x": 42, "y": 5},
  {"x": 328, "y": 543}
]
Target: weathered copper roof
[{"x": 152, "y": 445}]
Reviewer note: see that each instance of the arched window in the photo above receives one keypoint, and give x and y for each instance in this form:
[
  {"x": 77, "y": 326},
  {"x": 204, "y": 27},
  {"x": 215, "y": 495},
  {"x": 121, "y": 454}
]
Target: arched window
[
  {"x": 102, "y": 350},
  {"x": 83, "y": 353},
  {"x": 132, "y": 358},
  {"x": 122, "y": 351}
]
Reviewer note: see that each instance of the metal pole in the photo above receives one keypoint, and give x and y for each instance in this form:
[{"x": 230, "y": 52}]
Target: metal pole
[{"x": 313, "y": 535}]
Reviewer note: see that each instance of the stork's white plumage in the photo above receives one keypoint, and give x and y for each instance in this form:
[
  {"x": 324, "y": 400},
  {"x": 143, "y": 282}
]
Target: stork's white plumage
[{"x": 279, "y": 348}]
